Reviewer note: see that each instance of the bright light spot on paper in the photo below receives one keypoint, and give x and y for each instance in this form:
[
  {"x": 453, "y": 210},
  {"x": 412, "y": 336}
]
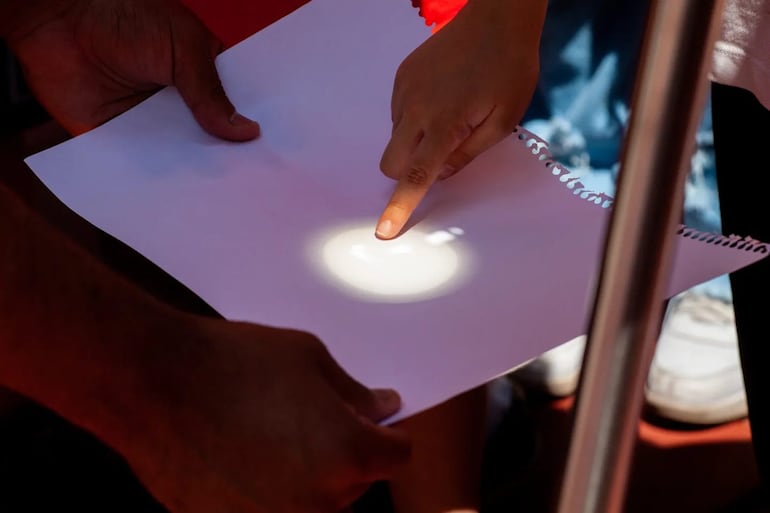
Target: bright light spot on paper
[{"x": 417, "y": 265}]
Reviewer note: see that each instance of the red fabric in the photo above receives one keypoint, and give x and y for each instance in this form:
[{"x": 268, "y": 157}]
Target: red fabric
[
  {"x": 234, "y": 20},
  {"x": 438, "y": 12}
]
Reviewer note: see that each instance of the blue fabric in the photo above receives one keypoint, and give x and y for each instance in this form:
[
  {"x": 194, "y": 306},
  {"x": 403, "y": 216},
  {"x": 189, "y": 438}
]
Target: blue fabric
[{"x": 588, "y": 56}]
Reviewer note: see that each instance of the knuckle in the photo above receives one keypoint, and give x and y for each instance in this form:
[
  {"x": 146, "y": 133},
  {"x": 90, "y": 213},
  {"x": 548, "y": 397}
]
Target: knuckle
[
  {"x": 417, "y": 175},
  {"x": 307, "y": 341},
  {"x": 403, "y": 71},
  {"x": 459, "y": 131},
  {"x": 400, "y": 72},
  {"x": 217, "y": 90},
  {"x": 386, "y": 166},
  {"x": 216, "y": 45},
  {"x": 201, "y": 98},
  {"x": 458, "y": 159},
  {"x": 411, "y": 110}
]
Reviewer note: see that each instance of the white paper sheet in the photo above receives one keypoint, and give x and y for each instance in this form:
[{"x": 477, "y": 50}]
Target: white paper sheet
[{"x": 246, "y": 226}]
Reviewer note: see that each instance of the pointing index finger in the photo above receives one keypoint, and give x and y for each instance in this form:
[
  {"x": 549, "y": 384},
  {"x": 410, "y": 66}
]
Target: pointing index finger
[{"x": 422, "y": 171}]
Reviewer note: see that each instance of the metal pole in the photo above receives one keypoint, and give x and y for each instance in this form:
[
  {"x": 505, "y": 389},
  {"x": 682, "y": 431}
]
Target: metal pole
[{"x": 667, "y": 104}]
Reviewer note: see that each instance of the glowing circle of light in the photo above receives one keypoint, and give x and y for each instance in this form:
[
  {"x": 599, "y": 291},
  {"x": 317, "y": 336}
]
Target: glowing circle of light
[{"x": 417, "y": 265}]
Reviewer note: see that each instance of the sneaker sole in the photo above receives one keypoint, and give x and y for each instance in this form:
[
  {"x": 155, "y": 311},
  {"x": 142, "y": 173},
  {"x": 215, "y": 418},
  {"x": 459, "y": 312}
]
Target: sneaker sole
[
  {"x": 732, "y": 408},
  {"x": 563, "y": 387}
]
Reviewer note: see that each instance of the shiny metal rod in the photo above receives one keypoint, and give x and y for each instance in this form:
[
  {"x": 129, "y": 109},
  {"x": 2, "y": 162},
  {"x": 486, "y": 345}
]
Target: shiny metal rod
[{"x": 666, "y": 108}]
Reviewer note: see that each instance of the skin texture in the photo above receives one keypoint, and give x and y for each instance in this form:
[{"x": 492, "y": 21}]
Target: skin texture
[
  {"x": 444, "y": 473},
  {"x": 211, "y": 415},
  {"x": 90, "y": 60},
  {"x": 456, "y": 95},
  {"x": 223, "y": 416}
]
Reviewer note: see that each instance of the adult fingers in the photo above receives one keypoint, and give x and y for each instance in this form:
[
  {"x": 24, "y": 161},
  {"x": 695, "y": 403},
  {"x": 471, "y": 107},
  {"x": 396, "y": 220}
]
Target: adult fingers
[
  {"x": 373, "y": 452},
  {"x": 374, "y": 405},
  {"x": 197, "y": 79}
]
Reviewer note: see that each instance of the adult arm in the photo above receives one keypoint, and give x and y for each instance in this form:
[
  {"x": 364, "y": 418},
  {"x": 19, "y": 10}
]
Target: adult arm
[{"x": 210, "y": 414}]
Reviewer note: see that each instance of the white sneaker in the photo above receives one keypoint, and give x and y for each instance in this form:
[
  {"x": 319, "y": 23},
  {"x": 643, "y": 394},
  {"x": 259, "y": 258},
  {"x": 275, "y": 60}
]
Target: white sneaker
[
  {"x": 555, "y": 372},
  {"x": 695, "y": 376}
]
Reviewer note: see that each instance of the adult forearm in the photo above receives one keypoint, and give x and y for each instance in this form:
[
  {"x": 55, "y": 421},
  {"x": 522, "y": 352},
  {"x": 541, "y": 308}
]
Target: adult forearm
[{"x": 73, "y": 335}]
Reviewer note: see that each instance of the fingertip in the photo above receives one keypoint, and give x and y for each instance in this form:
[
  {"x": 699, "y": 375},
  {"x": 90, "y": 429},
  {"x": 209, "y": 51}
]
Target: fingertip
[
  {"x": 388, "y": 402},
  {"x": 245, "y": 129},
  {"x": 224, "y": 123},
  {"x": 199, "y": 85},
  {"x": 395, "y": 216},
  {"x": 228, "y": 132},
  {"x": 385, "y": 229}
]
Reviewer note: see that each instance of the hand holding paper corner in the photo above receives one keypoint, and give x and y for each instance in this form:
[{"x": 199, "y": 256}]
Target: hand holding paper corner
[{"x": 90, "y": 61}]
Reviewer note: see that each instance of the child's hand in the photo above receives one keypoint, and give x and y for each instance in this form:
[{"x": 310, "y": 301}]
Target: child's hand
[
  {"x": 456, "y": 95},
  {"x": 88, "y": 61}
]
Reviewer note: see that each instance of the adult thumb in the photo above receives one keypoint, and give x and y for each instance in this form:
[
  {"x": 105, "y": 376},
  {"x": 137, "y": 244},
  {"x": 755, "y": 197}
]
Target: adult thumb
[
  {"x": 375, "y": 405},
  {"x": 197, "y": 80}
]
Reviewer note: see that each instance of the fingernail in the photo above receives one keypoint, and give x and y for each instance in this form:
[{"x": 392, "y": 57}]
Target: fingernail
[
  {"x": 238, "y": 120},
  {"x": 384, "y": 229},
  {"x": 388, "y": 398}
]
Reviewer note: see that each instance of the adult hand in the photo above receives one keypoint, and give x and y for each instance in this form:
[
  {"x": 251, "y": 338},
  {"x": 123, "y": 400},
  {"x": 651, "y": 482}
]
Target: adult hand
[
  {"x": 255, "y": 419},
  {"x": 212, "y": 415},
  {"x": 87, "y": 61},
  {"x": 456, "y": 95}
]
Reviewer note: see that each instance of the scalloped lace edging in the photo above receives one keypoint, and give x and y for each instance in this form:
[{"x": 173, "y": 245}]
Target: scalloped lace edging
[{"x": 571, "y": 181}]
